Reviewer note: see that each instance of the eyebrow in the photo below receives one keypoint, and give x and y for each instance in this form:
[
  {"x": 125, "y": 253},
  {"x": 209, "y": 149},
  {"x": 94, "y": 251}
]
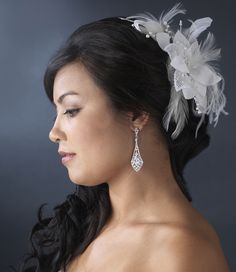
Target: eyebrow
[{"x": 60, "y": 99}]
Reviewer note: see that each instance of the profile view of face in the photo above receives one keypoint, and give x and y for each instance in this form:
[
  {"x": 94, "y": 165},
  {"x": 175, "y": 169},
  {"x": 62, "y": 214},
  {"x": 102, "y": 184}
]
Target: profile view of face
[{"x": 86, "y": 125}]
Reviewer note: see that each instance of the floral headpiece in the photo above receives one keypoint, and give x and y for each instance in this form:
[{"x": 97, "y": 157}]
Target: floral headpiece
[{"x": 189, "y": 69}]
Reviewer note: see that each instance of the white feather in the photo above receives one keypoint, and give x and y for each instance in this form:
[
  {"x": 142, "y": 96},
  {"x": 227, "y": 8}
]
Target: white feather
[
  {"x": 177, "y": 109},
  {"x": 146, "y": 16},
  {"x": 146, "y": 22},
  {"x": 217, "y": 101},
  {"x": 208, "y": 50},
  {"x": 167, "y": 16},
  {"x": 198, "y": 27}
]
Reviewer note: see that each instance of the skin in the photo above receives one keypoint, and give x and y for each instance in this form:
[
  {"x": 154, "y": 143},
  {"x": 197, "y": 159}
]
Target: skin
[{"x": 153, "y": 226}]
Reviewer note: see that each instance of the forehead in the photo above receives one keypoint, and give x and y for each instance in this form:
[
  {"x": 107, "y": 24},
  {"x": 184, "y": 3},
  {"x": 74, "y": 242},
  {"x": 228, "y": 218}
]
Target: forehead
[{"x": 73, "y": 78}]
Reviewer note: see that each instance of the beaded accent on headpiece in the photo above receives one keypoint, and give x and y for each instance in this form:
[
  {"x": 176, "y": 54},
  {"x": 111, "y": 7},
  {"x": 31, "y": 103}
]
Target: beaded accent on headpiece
[{"x": 189, "y": 69}]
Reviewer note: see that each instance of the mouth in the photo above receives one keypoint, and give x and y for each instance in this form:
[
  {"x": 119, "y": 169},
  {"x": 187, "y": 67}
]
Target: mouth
[{"x": 66, "y": 157}]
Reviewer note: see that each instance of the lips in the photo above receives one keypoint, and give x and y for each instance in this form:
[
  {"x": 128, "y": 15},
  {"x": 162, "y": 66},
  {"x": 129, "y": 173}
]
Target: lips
[
  {"x": 66, "y": 156},
  {"x": 63, "y": 154}
]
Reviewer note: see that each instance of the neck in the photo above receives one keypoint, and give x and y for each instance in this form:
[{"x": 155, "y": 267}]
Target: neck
[{"x": 148, "y": 195}]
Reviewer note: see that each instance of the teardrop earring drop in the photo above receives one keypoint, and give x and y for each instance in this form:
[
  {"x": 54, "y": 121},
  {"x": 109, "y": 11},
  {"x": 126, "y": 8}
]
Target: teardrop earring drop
[{"x": 136, "y": 161}]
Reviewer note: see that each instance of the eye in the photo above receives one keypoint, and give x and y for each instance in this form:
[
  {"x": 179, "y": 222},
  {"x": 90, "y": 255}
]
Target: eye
[{"x": 71, "y": 112}]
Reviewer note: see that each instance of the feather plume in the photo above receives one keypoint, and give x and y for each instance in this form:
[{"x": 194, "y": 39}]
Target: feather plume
[
  {"x": 177, "y": 109},
  {"x": 217, "y": 101},
  {"x": 167, "y": 16},
  {"x": 144, "y": 15},
  {"x": 208, "y": 50},
  {"x": 164, "y": 17},
  {"x": 145, "y": 22},
  {"x": 198, "y": 27},
  {"x": 199, "y": 124}
]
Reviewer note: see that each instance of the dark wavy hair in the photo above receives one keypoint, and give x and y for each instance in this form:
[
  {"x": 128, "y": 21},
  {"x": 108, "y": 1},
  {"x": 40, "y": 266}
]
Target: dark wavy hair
[{"x": 132, "y": 71}]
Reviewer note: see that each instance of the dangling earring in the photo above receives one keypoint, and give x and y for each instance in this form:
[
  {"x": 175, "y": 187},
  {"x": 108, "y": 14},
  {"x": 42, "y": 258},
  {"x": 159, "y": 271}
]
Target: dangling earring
[{"x": 136, "y": 161}]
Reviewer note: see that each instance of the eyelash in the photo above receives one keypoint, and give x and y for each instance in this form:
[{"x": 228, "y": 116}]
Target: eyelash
[{"x": 69, "y": 112}]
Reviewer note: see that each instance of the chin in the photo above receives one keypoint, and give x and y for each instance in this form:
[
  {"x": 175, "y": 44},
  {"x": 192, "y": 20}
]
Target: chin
[
  {"x": 84, "y": 178},
  {"x": 80, "y": 180}
]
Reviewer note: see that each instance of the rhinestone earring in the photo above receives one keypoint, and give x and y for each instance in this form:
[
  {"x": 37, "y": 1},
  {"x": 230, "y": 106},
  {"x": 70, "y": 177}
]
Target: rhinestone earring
[{"x": 136, "y": 161}]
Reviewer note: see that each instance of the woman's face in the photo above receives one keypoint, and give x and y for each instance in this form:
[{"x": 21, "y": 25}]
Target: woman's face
[{"x": 101, "y": 139}]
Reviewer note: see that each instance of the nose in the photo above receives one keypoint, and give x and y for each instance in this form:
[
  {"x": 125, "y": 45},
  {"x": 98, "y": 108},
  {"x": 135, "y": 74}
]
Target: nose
[
  {"x": 53, "y": 137},
  {"x": 55, "y": 134}
]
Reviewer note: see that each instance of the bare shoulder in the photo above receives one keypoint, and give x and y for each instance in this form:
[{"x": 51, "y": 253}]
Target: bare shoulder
[{"x": 182, "y": 248}]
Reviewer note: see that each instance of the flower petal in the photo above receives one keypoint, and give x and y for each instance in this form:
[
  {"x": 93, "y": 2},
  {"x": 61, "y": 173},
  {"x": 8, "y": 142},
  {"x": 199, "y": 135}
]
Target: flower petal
[
  {"x": 189, "y": 93},
  {"x": 180, "y": 38},
  {"x": 163, "y": 39},
  {"x": 201, "y": 89},
  {"x": 173, "y": 50},
  {"x": 205, "y": 75},
  {"x": 181, "y": 81},
  {"x": 179, "y": 64}
]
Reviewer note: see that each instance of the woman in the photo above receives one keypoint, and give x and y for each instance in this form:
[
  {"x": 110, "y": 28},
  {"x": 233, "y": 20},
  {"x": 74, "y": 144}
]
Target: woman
[{"x": 125, "y": 134}]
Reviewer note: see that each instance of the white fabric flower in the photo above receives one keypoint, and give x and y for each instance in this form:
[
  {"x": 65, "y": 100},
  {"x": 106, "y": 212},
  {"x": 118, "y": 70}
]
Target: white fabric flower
[
  {"x": 189, "y": 67},
  {"x": 192, "y": 74}
]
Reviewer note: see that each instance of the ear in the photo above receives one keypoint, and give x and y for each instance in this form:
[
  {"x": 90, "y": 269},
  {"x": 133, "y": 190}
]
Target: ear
[{"x": 138, "y": 122}]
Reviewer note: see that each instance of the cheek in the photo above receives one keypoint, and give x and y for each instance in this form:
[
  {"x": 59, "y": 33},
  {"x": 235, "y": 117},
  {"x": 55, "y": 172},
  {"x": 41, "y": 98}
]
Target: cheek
[
  {"x": 110, "y": 153},
  {"x": 103, "y": 148}
]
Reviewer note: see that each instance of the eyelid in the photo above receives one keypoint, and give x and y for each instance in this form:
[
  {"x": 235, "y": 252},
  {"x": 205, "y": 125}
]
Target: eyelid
[{"x": 68, "y": 111}]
